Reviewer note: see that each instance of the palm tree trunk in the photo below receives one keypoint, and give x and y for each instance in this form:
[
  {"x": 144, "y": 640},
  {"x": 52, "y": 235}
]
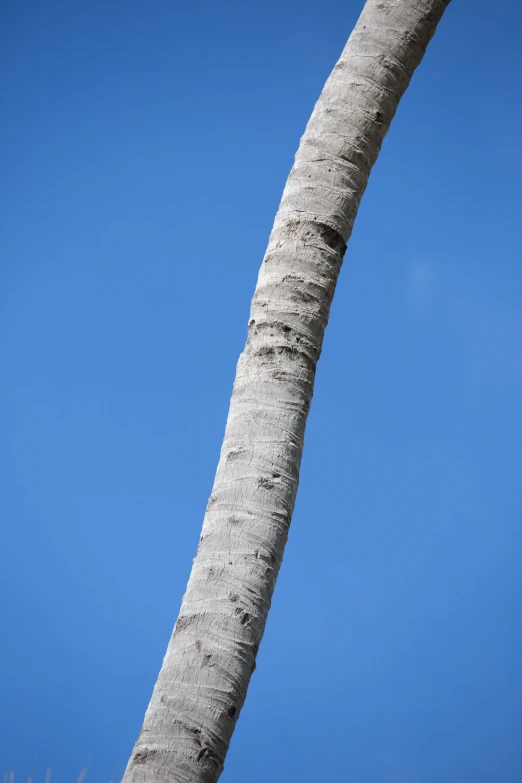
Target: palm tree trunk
[{"x": 210, "y": 658}]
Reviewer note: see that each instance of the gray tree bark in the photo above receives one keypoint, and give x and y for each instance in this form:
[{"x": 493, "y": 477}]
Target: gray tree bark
[{"x": 210, "y": 658}]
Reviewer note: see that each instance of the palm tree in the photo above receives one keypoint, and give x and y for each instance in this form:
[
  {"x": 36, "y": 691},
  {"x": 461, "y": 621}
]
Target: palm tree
[{"x": 210, "y": 658}]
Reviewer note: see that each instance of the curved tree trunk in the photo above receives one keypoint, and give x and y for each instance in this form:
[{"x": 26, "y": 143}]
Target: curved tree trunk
[{"x": 211, "y": 655}]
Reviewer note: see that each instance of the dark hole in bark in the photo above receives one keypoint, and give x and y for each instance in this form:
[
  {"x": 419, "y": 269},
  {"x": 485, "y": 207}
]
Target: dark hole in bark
[
  {"x": 142, "y": 755},
  {"x": 331, "y": 237},
  {"x": 197, "y": 735},
  {"x": 211, "y": 755},
  {"x": 182, "y": 622},
  {"x": 303, "y": 296},
  {"x": 231, "y": 711}
]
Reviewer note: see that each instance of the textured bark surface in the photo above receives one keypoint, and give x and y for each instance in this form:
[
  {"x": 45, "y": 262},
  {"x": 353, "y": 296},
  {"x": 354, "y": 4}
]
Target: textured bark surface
[{"x": 211, "y": 655}]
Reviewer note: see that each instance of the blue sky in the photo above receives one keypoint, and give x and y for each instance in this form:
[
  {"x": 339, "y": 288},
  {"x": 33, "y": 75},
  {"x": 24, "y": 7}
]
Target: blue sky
[{"x": 144, "y": 154}]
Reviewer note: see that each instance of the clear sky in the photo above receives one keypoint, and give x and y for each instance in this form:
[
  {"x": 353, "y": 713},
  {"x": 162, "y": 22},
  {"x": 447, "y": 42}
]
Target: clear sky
[{"x": 144, "y": 150}]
